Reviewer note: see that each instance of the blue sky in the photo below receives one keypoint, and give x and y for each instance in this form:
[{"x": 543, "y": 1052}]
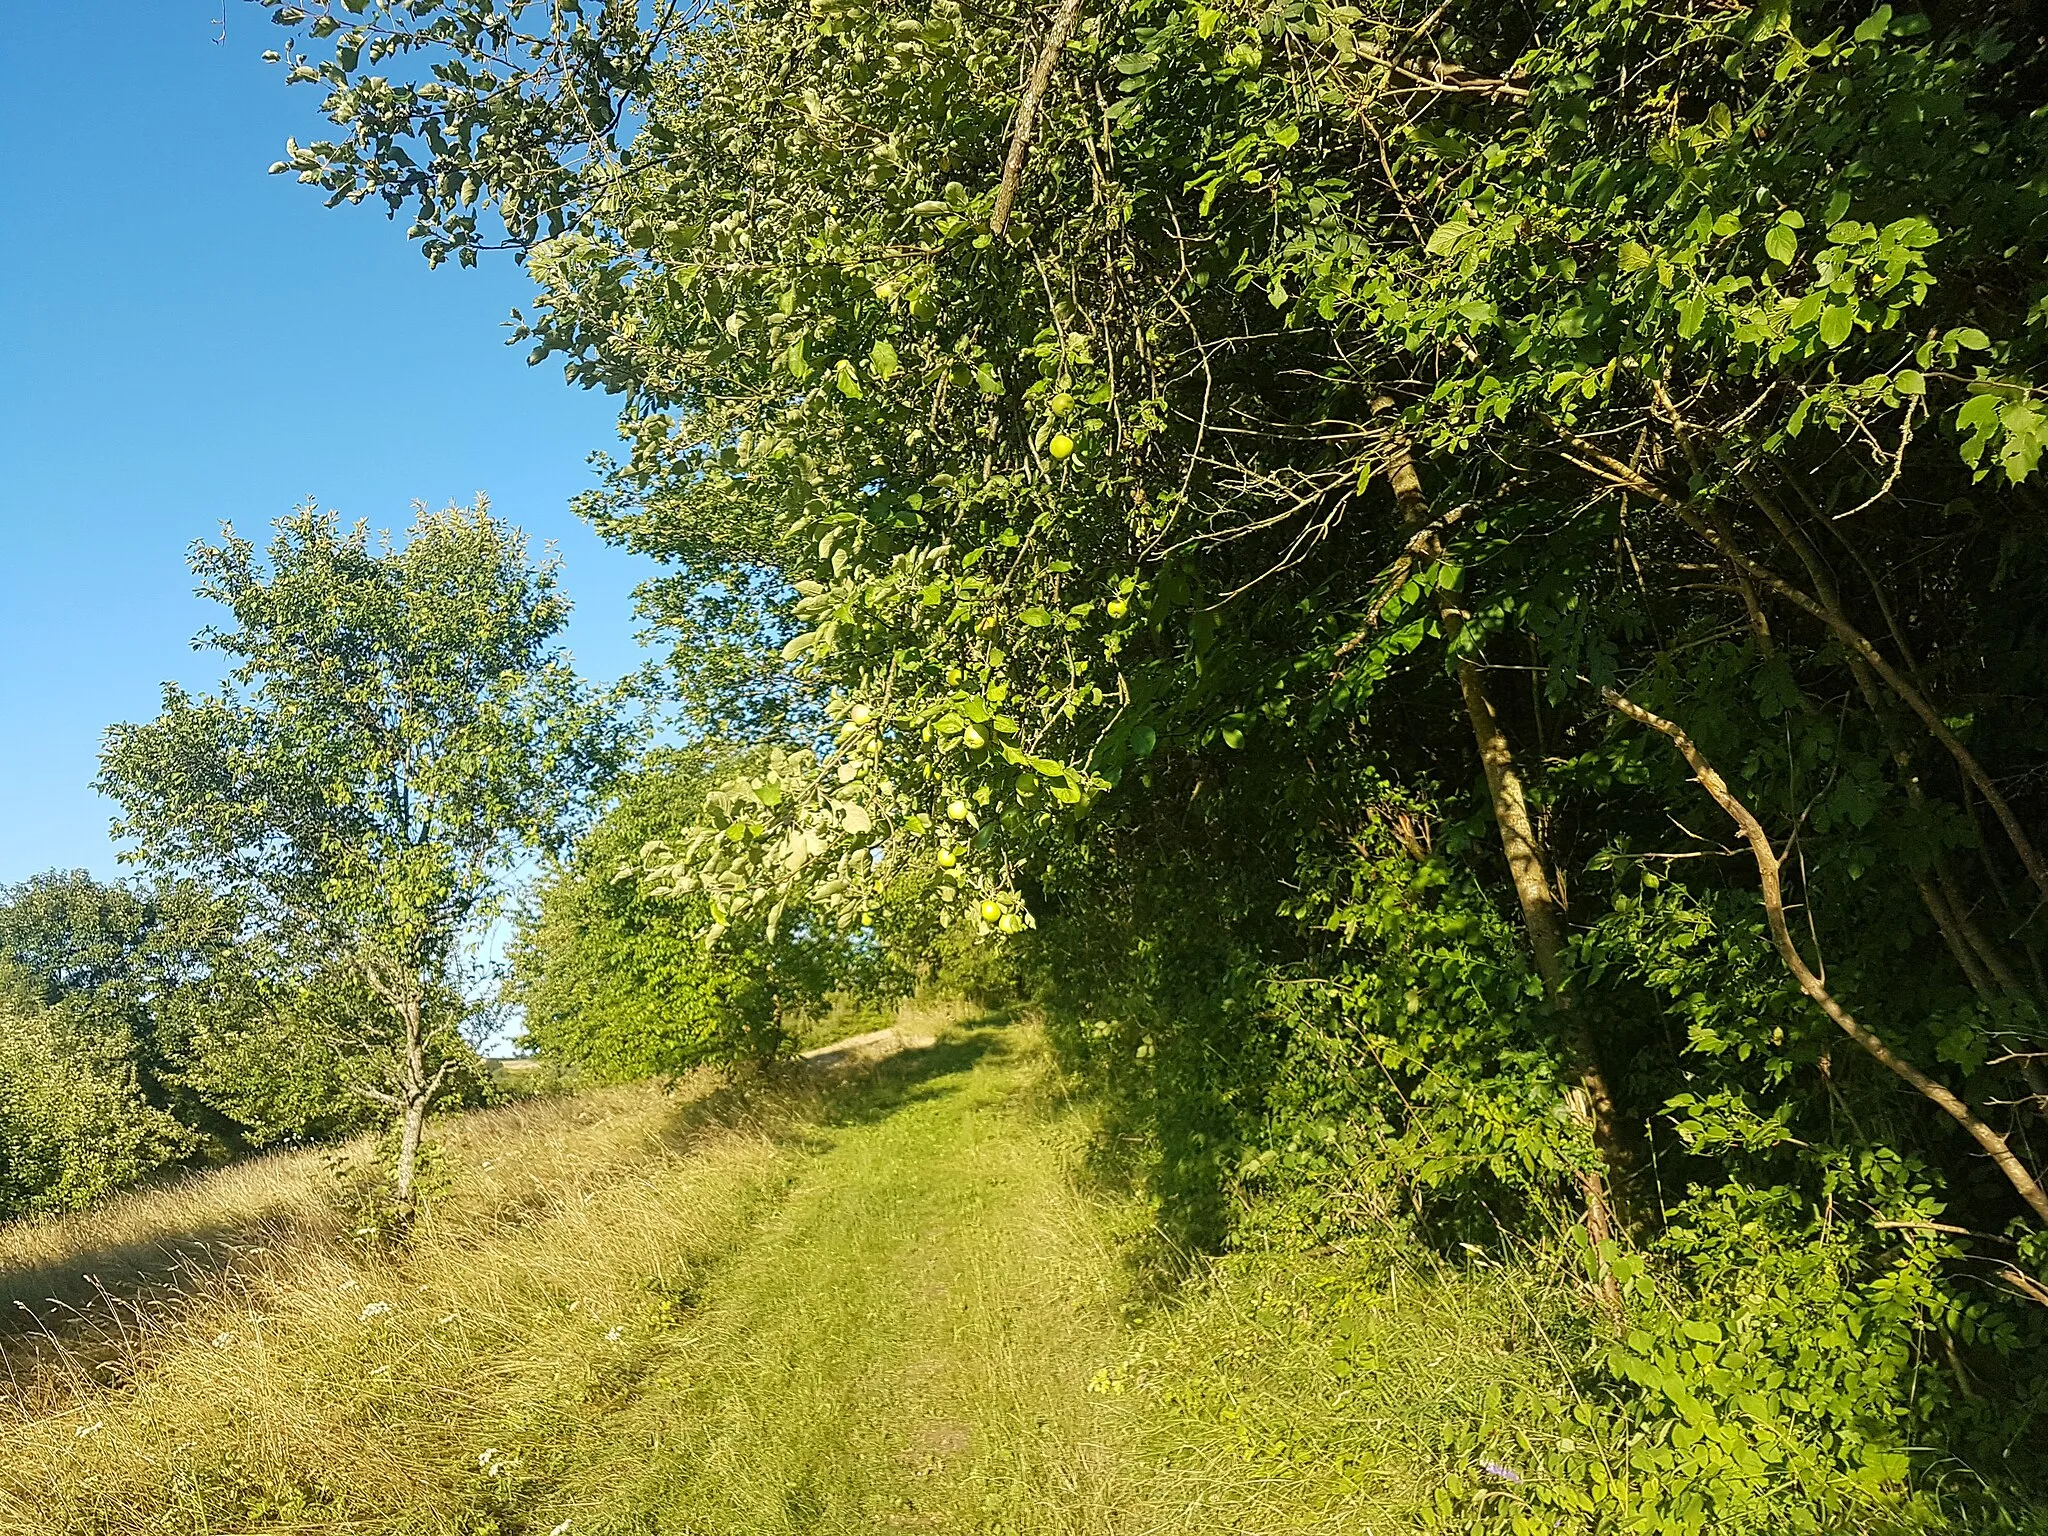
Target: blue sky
[{"x": 186, "y": 340}]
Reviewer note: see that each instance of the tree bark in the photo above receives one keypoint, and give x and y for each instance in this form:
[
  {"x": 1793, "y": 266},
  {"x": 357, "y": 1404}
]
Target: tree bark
[
  {"x": 412, "y": 1095},
  {"x": 1064, "y": 20},
  {"x": 412, "y": 1124},
  {"x": 1591, "y": 1101}
]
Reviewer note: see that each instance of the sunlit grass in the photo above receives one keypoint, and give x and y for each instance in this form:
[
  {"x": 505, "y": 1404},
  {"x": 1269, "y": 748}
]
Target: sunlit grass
[{"x": 862, "y": 1300}]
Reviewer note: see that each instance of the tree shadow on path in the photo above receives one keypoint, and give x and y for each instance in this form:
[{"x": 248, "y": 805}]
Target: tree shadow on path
[{"x": 95, "y": 1303}]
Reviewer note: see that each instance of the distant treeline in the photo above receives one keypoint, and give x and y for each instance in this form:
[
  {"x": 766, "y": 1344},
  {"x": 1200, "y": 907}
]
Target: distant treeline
[{"x": 149, "y": 1026}]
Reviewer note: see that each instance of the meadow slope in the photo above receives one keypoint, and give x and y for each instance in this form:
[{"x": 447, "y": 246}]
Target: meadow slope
[{"x": 876, "y": 1297}]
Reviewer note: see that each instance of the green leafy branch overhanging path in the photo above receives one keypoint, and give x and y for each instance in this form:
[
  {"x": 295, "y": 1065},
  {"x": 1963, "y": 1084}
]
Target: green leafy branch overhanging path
[{"x": 1265, "y": 724}]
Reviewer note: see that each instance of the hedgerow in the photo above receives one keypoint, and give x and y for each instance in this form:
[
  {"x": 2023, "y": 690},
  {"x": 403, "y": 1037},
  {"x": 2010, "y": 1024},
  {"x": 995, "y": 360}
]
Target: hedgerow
[{"x": 1462, "y": 582}]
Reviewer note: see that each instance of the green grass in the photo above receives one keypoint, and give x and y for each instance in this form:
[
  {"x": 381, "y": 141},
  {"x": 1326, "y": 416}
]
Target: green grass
[{"x": 876, "y": 1300}]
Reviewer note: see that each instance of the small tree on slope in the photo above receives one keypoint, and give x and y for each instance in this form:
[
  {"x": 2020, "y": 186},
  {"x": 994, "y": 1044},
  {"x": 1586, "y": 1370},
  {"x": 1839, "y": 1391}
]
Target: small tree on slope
[{"x": 399, "y": 726}]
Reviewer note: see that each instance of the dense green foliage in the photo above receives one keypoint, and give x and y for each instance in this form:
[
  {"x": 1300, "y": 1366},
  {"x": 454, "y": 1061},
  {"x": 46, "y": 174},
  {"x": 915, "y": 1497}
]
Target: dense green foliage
[
  {"x": 149, "y": 1028},
  {"x": 1375, "y": 440},
  {"x": 618, "y": 982},
  {"x": 399, "y": 725},
  {"x": 72, "y": 1127}
]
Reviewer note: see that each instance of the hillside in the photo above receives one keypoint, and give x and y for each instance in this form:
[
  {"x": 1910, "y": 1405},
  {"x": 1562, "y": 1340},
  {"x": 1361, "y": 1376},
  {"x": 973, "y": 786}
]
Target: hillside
[{"x": 871, "y": 1295}]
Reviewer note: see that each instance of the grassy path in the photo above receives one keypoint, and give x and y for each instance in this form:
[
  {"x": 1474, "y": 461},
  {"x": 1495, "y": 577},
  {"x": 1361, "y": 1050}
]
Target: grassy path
[
  {"x": 907, "y": 1343},
  {"x": 870, "y": 1301}
]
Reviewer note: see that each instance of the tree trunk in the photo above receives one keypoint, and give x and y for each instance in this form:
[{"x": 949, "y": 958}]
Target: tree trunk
[
  {"x": 415, "y": 1096},
  {"x": 412, "y": 1123},
  {"x": 1591, "y": 1101},
  {"x": 399, "y": 987}
]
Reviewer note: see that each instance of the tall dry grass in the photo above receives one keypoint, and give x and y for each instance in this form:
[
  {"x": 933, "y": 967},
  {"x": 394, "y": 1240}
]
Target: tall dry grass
[{"x": 223, "y": 1347}]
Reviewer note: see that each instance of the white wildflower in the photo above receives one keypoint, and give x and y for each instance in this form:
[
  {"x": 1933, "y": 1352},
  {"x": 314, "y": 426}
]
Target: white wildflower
[{"x": 376, "y": 1309}]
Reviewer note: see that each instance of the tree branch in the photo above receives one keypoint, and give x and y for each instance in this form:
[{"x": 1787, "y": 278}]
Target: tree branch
[
  {"x": 1063, "y": 23},
  {"x": 1767, "y": 864},
  {"x": 1590, "y": 457}
]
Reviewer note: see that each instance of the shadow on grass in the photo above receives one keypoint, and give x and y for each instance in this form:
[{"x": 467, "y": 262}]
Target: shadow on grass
[
  {"x": 918, "y": 1073},
  {"x": 107, "y": 1293},
  {"x": 132, "y": 1276}
]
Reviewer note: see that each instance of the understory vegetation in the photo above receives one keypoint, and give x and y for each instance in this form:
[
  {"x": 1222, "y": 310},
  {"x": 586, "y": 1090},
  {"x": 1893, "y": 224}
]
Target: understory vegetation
[
  {"x": 1456, "y": 589},
  {"x": 1449, "y": 598}
]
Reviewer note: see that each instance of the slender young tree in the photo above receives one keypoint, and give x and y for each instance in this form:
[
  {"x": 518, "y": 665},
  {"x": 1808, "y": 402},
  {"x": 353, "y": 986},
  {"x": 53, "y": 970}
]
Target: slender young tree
[{"x": 399, "y": 726}]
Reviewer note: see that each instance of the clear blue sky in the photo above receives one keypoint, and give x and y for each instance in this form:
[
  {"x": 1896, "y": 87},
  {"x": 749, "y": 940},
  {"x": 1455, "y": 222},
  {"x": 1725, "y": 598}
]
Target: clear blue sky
[{"x": 185, "y": 340}]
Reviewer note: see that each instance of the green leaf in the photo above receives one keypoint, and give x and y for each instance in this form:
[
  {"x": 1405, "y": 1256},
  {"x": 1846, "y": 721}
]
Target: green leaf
[
  {"x": 1448, "y": 237},
  {"x": 1836, "y": 322},
  {"x": 2025, "y": 436},
  {"x": 882, "y": 360},
  {"x": 1781, "y": 244},
  {"x": 1979, "y": 413}
]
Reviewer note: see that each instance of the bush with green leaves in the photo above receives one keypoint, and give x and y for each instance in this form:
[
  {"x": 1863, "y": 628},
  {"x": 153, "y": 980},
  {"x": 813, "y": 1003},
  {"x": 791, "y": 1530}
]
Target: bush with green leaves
[
  {"x": 74, "y": 1125},
  {"x": 620, "y": 983},
  {"x": 168, "y": 1019},
  {"x": 1463, "y": 583}
]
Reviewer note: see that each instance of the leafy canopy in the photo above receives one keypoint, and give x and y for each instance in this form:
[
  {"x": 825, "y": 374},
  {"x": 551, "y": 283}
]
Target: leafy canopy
[{"x": 399, "y": 724}]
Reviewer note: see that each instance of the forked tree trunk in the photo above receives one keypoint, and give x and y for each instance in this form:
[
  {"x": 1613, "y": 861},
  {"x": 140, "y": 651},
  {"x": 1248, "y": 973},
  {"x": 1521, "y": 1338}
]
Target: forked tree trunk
[
  {"x": 412, "y": 1095},
  {"x": 1591, "y": 1101}
]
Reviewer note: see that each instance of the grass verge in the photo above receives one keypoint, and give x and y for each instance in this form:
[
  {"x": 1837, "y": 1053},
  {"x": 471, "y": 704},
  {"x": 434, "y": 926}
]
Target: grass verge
[{"x": 860, "y": 1301}]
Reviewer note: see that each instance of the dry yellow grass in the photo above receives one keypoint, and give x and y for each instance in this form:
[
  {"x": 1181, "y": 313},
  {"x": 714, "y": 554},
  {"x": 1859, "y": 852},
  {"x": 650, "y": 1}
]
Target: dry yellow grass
[
  {"x": 866, "y": 1299},
  {"x": 261, "y": 1362}
]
